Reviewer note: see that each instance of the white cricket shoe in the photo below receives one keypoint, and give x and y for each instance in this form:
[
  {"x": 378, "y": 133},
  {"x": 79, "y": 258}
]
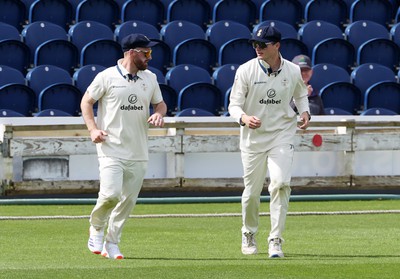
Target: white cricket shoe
[
  {"x": 111, "y": 251},
  {"x": 275, "y": 248},
  {"x": 95, "y": 242},
  {"x": 249, "y": 245}
]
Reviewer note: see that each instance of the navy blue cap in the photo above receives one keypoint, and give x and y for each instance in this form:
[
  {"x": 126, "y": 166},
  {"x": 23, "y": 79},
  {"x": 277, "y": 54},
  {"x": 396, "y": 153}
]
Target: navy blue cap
[
  {"x": 266, "y": 34},
  {"x": 136, "y": 40}
]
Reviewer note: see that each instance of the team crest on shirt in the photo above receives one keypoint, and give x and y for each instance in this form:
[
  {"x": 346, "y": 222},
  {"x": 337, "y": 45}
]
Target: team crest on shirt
[
  {"x": 285, "y": 82},
  {"x": 144, "y": 86}
]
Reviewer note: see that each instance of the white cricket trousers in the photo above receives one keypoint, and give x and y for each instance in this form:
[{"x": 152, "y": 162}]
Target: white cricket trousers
[
  {"x": 120, "y": 184},
  {"x": 278, "y": 161}
]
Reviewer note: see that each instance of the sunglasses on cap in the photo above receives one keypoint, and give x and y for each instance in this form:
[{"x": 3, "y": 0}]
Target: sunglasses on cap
[
  {"x": 261, "y": 44},
  {"x": 147, "y": 53}
]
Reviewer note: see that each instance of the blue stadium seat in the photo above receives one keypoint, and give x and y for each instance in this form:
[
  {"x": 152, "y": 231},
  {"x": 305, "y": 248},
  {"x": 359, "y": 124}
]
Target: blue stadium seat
[
  {"x": 135, "y": 26},
  {"x": 313, "y": 32},
  {"x": 378, "y": 111},
  {"x": 385, "y": 94},
  {"x": 226, "y": 96},
  {"x": 241, "y": 11},
  {"x": 150, "y": 11},
  {"x": 9, "y": 32},
  {"x": 175, "y": 32},
  {"x": 206, "y": 54},
  {"x": 85, "y": 75},
  {"x": 101, "y": 52},
  {"x": 38, "y": 32},
  {"x": 200, "y": 95},
  {"x": 170, "y": 98},
  {"x": 196, "y": 11},
  {"x": 290, "y": 47},
  {"x": 182, "y": 75},
  {"x": 103, "y": 11},
  {"x": 336, "y": 111},
  {"x": 15, "y": 54},
  {"x": 343, "y": 95},
  {"x": 61, "y": 96},
  {"x": 13, "y": 12},
  {"x": 55, "y": 11},
  {"x": 52, "y": 113},
  {"x": 223, "y": 77},
  {"x": 223, "y": 31},
  {"x": 335, "y": 51},
  {"x": 161, "y": 56},
  {"x": 49, "y": 53},
  {"x": 325, "y": 73},
  {"x": 379, "y": 11},
  {"x": 159, "y": 74},
  {"x": 287, "y": 30},
  {"x": 86, "y": 31},
  {"x": 194, "y": 112},
  {"x": 361, "y": 31},
  {"x": 10, "y": 75},
  {"x": 236, "y": 51},
  {"x": 332, "y": 11},
  {"x": 10, "y": 113},
  {"x": 380, "y": 51},
  {"x": 289, "y": 11},
  {"x": 18, "y": 97},
  {"x": 395, "y": 33}
]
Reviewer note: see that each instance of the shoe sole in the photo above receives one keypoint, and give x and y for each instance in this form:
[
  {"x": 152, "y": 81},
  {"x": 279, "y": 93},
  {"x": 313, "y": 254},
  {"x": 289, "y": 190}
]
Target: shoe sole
[{"x": 105, "y": 255}]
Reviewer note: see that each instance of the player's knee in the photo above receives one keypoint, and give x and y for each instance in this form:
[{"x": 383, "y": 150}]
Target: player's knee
[{"x": 277, "y": 185}]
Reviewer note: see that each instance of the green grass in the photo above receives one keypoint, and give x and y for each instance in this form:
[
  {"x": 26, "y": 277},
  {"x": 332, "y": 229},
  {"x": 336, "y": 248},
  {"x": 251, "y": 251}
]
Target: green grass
[{"x": 333, "y": 246}]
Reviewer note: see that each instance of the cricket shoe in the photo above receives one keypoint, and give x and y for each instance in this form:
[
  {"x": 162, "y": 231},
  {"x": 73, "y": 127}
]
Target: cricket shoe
[
  {"x": 275, "y": 248},
  {"x": 111, "y": 251},
  {"x": 95, "y": 242},
  {"x": 249, "y": 245}
]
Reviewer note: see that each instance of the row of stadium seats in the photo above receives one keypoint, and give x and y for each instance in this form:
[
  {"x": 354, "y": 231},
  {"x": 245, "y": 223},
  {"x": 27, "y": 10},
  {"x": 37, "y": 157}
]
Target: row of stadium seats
[{"x": 201, "y": 12}]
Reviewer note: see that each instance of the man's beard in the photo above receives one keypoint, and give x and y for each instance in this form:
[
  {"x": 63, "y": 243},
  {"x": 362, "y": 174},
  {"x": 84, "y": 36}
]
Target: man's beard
[{"x": 140, "y": 65}]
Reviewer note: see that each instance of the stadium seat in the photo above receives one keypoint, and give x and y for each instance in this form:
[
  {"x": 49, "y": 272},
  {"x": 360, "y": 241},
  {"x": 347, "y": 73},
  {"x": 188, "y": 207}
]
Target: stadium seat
[
  {"x": 136, "y": 26},
  {"x": 241, "y": 11},
  {"x": 55, "y": 11},
  {"x": 194, "y": 112},
  {"x": 361, "y": 31},
  {"x": 9, "y": 32},
  {"x": 103, "y": 11},
  {"x": 85, "y": 75},
  {"x": 367, "y": 74},
  {"x": 378, "y": 111},
  {"x": 61, "y": 96},
  {"x": 10, "y": 113},
  {"x": 206, "y": 54},
  {"x": 101, "y": 52},
  {"x": 182, "y": 75},
  {"x": 86, "y": 31},
  {"x": 385, "y": 94},
  {"x": 18, "y": 97},
  {"x": 380, "y": 51},
  {"x": 170, "y": 98},
  {"x": 335, "y": 51},
  {"x": 236, "y": 51},
  {"x": 332, "y": 11},
  {"x": 195, "y": 11},
  {"x": 150, "y": 11},
  {"x": 336, "y": 111},
  {"x": 226, "y": 96},
  {"x": 200, "y": 95},
  {"x": 175, "y": 32},
  {"x": 15, "y": 54},
  {"x": 343, "y": 95},
  {"x": 379, "y": 11},
  {"x": 52, "y": 113},
  {"x": 161, "y": 56},
  {"x": 223, "y": 31},
  {"x": 38, "y": 32},
  {"x": 223, "y": 77},
  {"x": 13, "y": 12},
  {"x": 313, "y": 32},
  {"x": 289, "y": 11},
  {"x": 325, "y": 73},
  {"x": 10, "y": 75},
  {"x": 159, "y": 74},
  {"x": 290, "y": 47},
  {"x": 48, "y": 53},
  {"x": 395, "y": 33},
  {"x": 287, "y": 30}
]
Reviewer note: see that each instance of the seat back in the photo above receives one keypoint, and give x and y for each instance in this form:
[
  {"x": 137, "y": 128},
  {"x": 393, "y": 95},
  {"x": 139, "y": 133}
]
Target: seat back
[
  {"x": 170, "y": 98},
  {"x": 236, "y": 51},
  {"x": 103, "y": 11},
  {"x": 332, "y": 11},
  {"x": 9, "y": 32},
  {"x": 343, "y": 95},
  {"x": 196, "y": 11},
  {"x": 161, "y": 57},
  {"x": 241, "y": 11},
  {"x": 380, "y": 51},
  {"x": 13, "y": 12},
  {"x": 150, "y": 11},
  {"x": 223, "y": 77},
  {"x": 61, "y": 96},
  {"x": 101, "y": 52},
  {"x": 385, "y": 94},
  {"x": 290, "y": 47},
  {"x": 52, "y": 113},
  {"x": 287, "y": 30},
  {"x": 18, "y": 97},
  {"x": 325, "y": 73},
  {"x": 55, "y": 11},
  {"x": 15, "y": 54},
  {"x": 225, "y": 30},
  {"x": 361, "y": 31},
  {"x": 289, "y": 11},
  {"x": 336, "y": 111},
  {"x": 85, "y": 75},
  {"x": 175, "y": 32},
  {"x": 136, "y": 26},
  {"x": 379, "y": 11},
  {"x": 194, "y": 112},
  {"x": 10, "y": 113},
  {"x": 10, "y": 75},
  {"x": 378, "y": 111},
  {"x": 182, "y": 75}
]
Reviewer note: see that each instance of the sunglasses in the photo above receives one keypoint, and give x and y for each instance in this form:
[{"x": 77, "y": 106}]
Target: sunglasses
[
  {"x": 261, "y": 45},
  {"x": 147, "y": 53}
]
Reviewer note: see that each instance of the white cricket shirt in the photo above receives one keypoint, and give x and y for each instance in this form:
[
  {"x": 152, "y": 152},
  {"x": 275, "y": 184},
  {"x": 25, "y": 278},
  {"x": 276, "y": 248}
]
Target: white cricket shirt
[
  {"x": 267, "y": 97},
  {"x": 123, "y": 110}
]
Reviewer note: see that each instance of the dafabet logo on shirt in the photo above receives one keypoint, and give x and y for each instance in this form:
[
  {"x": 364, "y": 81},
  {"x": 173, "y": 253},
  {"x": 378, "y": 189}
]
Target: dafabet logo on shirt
[
  {"x": 271, "y": 93},
  {"x": 132, "y": 99}
]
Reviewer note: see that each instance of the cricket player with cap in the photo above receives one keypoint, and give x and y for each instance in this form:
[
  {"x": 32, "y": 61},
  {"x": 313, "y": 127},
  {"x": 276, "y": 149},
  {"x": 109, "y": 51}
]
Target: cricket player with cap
[{"x": 260, "y": 102}]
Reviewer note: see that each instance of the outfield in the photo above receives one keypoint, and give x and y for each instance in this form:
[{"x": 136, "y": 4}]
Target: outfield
[{"x": 317, "y": 246}]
